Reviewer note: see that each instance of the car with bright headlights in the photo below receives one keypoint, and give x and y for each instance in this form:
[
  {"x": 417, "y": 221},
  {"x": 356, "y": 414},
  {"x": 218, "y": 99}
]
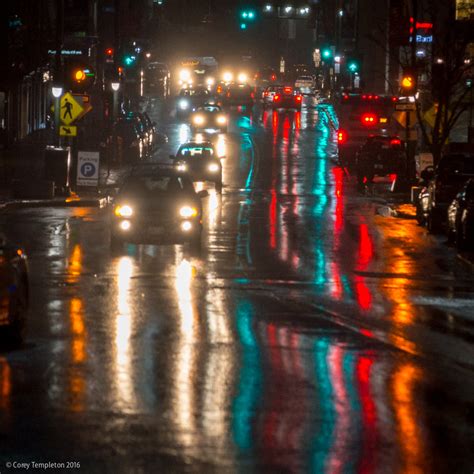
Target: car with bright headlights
[
  {"x": 190, "y": 98},
  {"x": 156, "y": 204},
  {"x": 208, "y": 117},
  {"x": 200, "y": 161}
]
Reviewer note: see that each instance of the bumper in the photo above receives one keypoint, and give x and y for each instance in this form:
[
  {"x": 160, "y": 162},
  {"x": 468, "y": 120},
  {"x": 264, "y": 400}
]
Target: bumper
[{"x": 141, "y": 233}]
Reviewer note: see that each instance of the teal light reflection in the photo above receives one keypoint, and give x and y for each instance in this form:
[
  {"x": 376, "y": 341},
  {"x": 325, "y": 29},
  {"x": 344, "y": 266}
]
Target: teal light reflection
[
  {"x": 325, "y": 411},
  {"x": 249, "y": 392}
]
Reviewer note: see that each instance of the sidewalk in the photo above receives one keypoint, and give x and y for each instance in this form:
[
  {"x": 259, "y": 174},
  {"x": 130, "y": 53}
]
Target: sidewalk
[{"x": 25, "y": 161}]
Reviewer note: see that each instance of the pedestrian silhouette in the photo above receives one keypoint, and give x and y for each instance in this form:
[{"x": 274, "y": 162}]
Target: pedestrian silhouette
[{"x": 68, "y": 106}]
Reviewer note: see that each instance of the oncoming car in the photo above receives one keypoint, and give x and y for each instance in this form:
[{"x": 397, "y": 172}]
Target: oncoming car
[
  {"x": 189, "y": 99},
  {"x": 156, "y": 204},
  {"x": 200, "y": 160},
  {"x": 208, "y": 117}
]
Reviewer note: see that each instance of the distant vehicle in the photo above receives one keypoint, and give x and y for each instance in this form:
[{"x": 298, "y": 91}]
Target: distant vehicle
[
  {"x": 190, "y": 98},
  {"x": 157, "y": 79},
  {"x": 306, "y": 84},
  {"x": 461, "y": 217},
  {"x": 239, "y": 94},
  {"x": 380, "y": 155},
  {"x": 268, "y": 94},
  {"x": 14, "y": 291},
  {"x": 450, "y": 175},
  {"x": 200, "y": 160},
  {"x": 198, "y": 71},
  {"x": 208, "y": 117},
  {"x": 145, "y": 127},
  {"x": 287, "y": 98},
  {"x": 156, "y": 204},
  {"x": 358, "y": 117}
]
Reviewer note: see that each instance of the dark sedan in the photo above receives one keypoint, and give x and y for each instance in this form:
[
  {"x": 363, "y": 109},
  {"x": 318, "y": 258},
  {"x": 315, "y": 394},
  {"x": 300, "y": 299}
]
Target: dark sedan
[
  {"x": 461, "y": 217},
  {"x": 14, "y": 294},
  {"x": 157, "y": 204}
]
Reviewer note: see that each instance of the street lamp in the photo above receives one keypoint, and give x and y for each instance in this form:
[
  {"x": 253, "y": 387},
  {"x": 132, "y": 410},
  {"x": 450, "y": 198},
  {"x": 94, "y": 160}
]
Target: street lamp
[
  {"x": 115, "y": 87},
  {"x": 57, "y": 92}
]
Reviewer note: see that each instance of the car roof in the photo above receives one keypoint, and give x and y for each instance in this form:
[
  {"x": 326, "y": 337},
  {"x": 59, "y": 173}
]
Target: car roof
[{"x": 196, "y": 144}]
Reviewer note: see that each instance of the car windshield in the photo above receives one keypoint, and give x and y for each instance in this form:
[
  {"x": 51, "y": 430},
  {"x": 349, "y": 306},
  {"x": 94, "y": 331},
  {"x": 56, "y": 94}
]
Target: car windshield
[
  {"x": 154, "y": 186},
  {"x": 196, "y": 152},
  {"x": 208, "y": 108}
]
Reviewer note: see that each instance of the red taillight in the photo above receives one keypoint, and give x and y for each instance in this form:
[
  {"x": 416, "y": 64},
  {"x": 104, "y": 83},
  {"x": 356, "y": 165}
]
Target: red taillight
[
  {"x": 298, "y": 98},
  {"x": 288, "y": 90},
  {"x": 394, "y": 99},
  {"x": 395, "y": 142},
  {"x": 228, "y": 94},
  {"x": 273, "y": 77},
  {"x": 341, "y": 136},
  {"x": 369, "y": 119},
  {"x": 276, "y": 97},
  {"x": 219, "y": 89},
  {"x": 252, "y": 95},
  {"x": 345, "y": 97}
]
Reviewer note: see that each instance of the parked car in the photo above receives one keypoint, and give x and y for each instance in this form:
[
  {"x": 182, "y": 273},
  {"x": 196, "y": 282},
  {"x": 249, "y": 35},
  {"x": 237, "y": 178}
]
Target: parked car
[
  {"x": 14, "y": 291},
  {"x": 131, "y": 141},
  {"x": 461, "y": 217},
  {"x": 452, "y": 171}
]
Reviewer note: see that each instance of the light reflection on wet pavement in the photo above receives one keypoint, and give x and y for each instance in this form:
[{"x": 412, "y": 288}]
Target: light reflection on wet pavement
[{"x": 310, "y": 335}]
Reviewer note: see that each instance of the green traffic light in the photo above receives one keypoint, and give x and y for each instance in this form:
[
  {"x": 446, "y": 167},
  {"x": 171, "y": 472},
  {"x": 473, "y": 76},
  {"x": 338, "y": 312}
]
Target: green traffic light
[
  {"x": 243, "y": 26},
  {"x": 327, "y": 53},
  {"x": 251, "y": 15},
  {"x": 353, "y": 67},
  {"x": 245, "y": 14},
  {"x": 129, "y": 60}
]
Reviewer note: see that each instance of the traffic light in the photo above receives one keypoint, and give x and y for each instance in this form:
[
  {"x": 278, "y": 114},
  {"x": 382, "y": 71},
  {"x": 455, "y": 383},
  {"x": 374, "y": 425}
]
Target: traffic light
[
  {"x": 80, "y": 77},
  {"x": 109, "y": 55},
  {"x": 408, "y": 82},
  {"x": 129, "y": 60},
  {"x": 326, "y": 54},
  {"x": 353, "y": 65},
  {"x": 246, "y": 16}
]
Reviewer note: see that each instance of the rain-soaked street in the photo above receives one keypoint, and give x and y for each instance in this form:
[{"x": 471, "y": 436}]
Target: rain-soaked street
[{"x": 311, "y": 334}]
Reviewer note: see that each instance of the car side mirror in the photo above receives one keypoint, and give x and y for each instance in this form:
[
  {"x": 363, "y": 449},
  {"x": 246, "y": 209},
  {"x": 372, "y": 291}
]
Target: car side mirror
[{"x": 203, "y": 193}]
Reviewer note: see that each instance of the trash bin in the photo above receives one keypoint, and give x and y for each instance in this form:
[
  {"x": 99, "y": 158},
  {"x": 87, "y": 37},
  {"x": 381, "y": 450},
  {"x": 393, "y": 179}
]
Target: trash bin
[{"x": 57, "y": 168}]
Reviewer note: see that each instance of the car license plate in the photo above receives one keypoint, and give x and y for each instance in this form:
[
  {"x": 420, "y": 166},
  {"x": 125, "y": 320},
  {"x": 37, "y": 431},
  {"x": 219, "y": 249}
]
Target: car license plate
[
  {"x": 378, "y": 167},
  {"x": 155, "y": 231}
]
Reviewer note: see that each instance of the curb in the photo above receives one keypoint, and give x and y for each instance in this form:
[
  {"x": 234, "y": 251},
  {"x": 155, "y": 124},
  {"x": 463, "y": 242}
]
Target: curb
[{"x": 86, "y": 202}]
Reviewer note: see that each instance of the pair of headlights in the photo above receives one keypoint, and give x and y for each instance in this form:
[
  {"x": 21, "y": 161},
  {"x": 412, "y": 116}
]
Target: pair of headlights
[
  {"x": 200, "y": 120},
  {"x": 127, "y": 211}
]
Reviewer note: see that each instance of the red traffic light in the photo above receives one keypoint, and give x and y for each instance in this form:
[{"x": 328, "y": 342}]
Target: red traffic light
[{"x": 109, "y": 52}]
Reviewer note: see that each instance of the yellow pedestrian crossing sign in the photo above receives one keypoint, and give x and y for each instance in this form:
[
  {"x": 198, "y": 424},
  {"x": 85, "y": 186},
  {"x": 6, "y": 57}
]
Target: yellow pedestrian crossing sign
[
  {"x": 70, "y": 109},
  {"x": 67, "y": 130}
]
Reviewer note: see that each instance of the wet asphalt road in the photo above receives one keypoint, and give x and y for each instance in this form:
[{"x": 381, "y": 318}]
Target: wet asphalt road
[{"x": 311, "y": 335}]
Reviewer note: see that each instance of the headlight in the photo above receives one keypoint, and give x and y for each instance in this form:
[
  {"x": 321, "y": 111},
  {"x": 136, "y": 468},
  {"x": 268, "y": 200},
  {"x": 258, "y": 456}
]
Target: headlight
[
  {"x": 125, "y": 225},
  {"x": 186, "y": 226},
  {"x": 210, "y": 81},
  {"x": 183, "y": 104},
  {"x": 242, "y": 77},
  {"x": 227, "y": 76},
  {"x": 188, "y": 211},
  {"x": 213, "y": 168},
  {"x": 221, "y": 120},
  {"x": 184, "y": 75},
  {"x": 198, "y": 120},
  {"x": 182, "y": 167},
  {"x": 123, "y": 211}
]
